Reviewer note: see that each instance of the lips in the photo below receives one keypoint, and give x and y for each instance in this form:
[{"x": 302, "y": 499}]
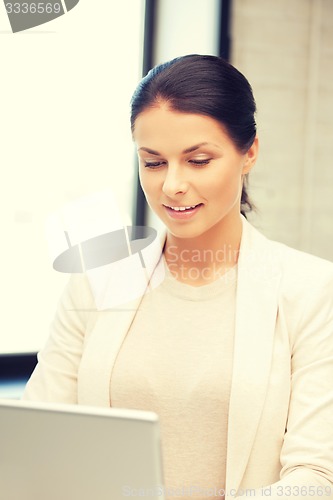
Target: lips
[
  {"x": 182, "y": 212},
  {"x": 182, "y": 208}
]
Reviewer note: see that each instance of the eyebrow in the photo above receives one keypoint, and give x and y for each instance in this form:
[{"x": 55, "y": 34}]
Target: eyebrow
[{"x": 188, "y": 150}]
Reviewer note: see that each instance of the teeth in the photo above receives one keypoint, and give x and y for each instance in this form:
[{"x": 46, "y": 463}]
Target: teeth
[{"x": 180, "y": 209}]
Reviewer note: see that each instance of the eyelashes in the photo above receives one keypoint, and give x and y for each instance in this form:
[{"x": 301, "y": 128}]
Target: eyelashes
[
  {"x": 200, "y": 162},
  {"x": 156, "y": 164},
  {"x": 153, "y": 164}
]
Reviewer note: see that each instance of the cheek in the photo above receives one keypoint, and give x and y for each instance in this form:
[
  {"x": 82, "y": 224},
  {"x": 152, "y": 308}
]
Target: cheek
[
  {"x": 149, "y": 184},
  {"x": 224, "y": 185},
  {"x": 144, "y": 180},
  {"x": 141, "y": 178}
]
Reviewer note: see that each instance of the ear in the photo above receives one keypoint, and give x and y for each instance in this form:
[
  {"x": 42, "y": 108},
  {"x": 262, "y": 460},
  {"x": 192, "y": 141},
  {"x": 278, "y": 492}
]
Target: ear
[{"x": 251, "y": 156}]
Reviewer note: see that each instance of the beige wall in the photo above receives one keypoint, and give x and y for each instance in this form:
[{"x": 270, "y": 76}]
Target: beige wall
[{"x": 285, "y": 48}]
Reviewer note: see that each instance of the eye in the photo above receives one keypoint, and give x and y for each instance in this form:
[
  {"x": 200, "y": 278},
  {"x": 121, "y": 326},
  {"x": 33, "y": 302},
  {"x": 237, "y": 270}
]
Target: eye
[
  {"x": 199, "y": 163},
  {"x": 153, "y": 164}
]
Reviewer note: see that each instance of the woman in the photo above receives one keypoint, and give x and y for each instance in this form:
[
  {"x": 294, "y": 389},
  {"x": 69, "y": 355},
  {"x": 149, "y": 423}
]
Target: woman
[{"x": 234, "y": 349}]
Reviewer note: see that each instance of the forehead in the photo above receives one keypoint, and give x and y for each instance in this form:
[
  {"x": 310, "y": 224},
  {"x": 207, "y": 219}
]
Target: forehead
[{"x": 161, "y": 126}]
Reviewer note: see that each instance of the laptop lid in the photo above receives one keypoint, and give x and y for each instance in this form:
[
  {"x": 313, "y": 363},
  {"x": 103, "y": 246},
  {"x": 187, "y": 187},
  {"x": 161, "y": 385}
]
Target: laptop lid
[{"x": 67, "y": 452}]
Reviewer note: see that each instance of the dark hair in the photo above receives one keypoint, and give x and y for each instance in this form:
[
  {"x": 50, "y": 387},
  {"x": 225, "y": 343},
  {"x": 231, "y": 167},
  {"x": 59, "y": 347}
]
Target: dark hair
[{"x": 206, "y": 85}]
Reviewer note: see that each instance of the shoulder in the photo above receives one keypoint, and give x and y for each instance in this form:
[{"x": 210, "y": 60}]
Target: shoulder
[
  {"x": 302, "y": 265},
  {"x": 78, "y": 292},
  {"x": 300, "y": 272},
  {"x": 306, "y": 283},
  {"x": 300, "y": 283}
]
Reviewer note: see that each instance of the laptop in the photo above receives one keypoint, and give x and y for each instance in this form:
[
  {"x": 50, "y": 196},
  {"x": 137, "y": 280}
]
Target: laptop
[{"x": 66, "y": 452}]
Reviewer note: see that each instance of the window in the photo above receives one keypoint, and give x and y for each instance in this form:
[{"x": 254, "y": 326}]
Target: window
[{"x": 65, "y": 133}]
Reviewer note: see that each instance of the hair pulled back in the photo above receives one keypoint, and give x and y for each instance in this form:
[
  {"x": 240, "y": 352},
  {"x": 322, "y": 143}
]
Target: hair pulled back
[{"x": 206, "y": 85}]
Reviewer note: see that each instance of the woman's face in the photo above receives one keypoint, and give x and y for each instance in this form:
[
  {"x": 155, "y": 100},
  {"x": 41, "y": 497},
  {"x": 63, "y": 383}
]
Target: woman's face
[{"x": 190, "y": 170}]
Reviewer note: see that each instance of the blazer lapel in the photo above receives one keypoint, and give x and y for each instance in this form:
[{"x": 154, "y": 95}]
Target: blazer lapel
[
  {"x": 256, "y": 312},
  {"x": 113, "y": 323},
  {"x": 100, "y": 354}
]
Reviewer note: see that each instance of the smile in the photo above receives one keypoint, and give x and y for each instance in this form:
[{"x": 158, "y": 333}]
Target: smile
[
  {"x": 181, "y": 209},
  {"x": 182, "y": 212}
]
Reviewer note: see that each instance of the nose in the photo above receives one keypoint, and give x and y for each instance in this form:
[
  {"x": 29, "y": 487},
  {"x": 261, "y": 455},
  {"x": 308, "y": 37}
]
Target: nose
[{"x": 174, "y": 182}]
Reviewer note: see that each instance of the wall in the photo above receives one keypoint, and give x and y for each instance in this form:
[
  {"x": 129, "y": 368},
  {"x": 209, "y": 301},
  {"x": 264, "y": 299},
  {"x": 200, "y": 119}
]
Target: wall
[{"x": 285, "y": 49}]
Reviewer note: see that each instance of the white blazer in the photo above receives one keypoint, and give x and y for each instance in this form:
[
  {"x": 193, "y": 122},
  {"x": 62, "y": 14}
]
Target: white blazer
[{"x": 280, "y": 426}]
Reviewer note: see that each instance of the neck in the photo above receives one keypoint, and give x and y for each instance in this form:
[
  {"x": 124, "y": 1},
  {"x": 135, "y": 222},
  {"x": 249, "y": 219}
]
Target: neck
[{"x": 204, "y": 258}]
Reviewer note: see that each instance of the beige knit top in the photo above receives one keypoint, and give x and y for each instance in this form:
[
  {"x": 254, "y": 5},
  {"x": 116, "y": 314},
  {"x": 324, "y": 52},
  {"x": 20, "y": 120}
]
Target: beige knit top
[{"x": 176, "y": 360}]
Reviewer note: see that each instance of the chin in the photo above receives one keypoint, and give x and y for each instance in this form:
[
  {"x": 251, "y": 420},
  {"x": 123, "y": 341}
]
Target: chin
[{"x": 186, "y": 232}]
